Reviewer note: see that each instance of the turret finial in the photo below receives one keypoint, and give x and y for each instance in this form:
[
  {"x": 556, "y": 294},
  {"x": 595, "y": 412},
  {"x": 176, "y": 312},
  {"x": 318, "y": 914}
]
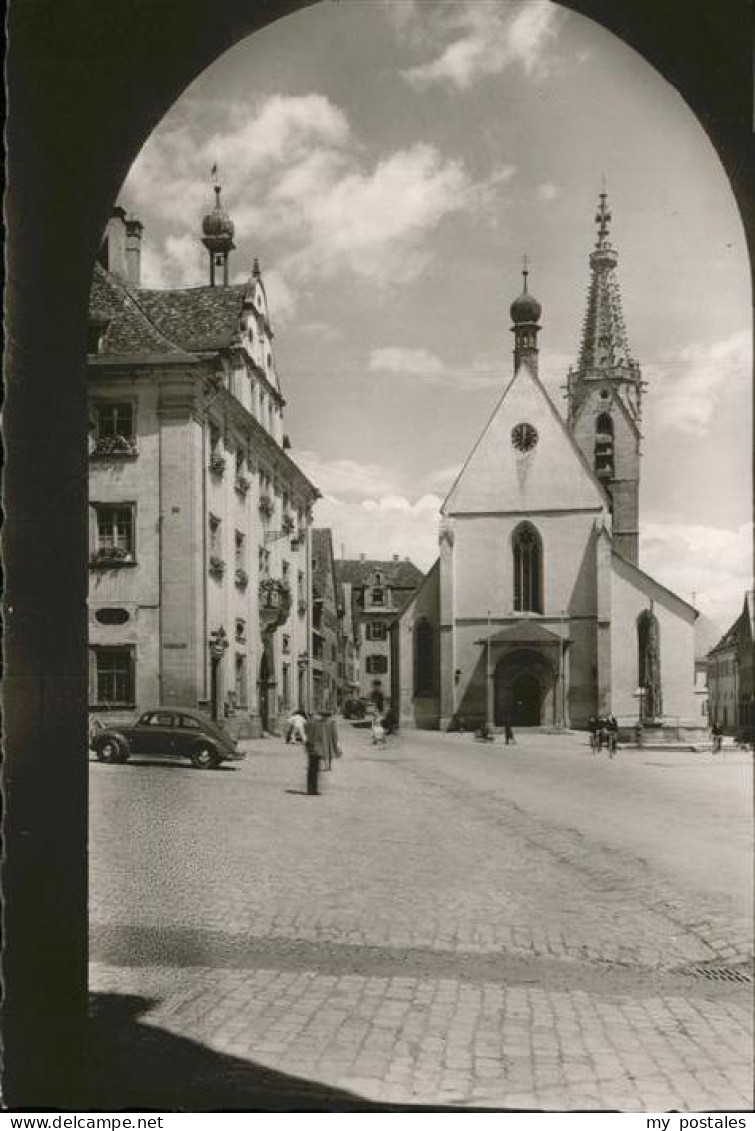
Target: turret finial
[{"x": 525, "y": 273}]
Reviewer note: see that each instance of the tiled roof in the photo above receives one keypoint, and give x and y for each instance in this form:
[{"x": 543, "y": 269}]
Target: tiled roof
[
  {"x": 730, "y": 639},
  {"x": 198, "y": 319},
  {"x": 129, "y": 329},
  {"x": 401, "y": 574}
]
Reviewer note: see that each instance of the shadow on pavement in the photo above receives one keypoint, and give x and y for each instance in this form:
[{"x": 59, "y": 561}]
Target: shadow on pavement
[{"x": 134, "y": 1065}]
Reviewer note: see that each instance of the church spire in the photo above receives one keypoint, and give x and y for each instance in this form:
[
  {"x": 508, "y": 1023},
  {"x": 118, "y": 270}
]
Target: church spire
[
  {"x": 604, "y": 337},
  {"x": 604, "y": 391}
]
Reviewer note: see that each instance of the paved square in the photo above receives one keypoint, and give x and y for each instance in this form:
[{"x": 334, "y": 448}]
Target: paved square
[{"x": 450, "y": 923}]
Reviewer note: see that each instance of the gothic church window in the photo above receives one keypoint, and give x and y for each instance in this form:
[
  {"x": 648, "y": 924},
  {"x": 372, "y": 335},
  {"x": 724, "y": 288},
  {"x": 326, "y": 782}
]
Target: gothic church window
[{"x": 528, "y": 569}]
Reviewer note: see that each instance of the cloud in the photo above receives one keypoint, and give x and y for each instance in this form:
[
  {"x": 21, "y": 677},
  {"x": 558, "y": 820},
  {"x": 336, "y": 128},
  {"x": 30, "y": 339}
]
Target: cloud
[
  {"x": 485, "y": 39},
  {"x": 316, "y": 196},
  {"x": 546, "y": 192},
  {"x": 687, "y": 386},
  {"x": 714, "y": 563},
  {"x": 381, "y": 527},
  {"x": 414, "y": 362},
  {"x": 419, "y": 364},
  {"x": 346, "y": 477},
  {"x": 372, "y": 223}
]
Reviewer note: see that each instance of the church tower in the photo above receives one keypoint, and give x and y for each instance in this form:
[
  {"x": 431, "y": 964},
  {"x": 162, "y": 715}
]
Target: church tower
[{"x": 604, "y": 393}]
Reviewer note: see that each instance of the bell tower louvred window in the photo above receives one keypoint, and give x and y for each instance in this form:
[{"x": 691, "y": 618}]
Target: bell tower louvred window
[{"x": 604, "y": 465}]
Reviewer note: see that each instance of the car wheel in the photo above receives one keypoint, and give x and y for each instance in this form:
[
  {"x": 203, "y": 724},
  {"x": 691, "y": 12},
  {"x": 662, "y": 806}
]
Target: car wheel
[
  {"x": 205, "y": 758},
  {"x": 111, "y": 751}
]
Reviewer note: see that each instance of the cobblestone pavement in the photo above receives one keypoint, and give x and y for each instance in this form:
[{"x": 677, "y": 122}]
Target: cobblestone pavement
[{"x": 450, "y": 923}]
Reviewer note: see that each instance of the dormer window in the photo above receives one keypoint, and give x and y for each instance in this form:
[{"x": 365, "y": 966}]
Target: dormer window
[{"x": 378, "y": 596}]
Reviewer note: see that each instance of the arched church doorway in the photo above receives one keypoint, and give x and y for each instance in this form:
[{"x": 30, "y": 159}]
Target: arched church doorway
[
  {"x": 526, "y": 701},
  {"x": 525, "y": 684}
]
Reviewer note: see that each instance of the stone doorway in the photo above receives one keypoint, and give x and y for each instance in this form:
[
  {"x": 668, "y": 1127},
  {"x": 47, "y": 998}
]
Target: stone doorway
[
  {"x": 524, "y": 689},
  {"x": 526, "y": 701}
]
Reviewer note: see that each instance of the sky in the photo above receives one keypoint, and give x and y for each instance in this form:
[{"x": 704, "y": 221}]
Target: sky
[{"x": 390, "y": 164}]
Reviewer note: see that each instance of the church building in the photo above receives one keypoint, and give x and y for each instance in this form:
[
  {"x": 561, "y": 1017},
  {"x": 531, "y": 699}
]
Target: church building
[{"x": 537, "y": 611}]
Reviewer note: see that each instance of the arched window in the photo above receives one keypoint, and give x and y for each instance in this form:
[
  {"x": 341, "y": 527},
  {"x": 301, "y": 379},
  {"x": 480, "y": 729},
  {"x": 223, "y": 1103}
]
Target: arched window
[
  {"x": 528, "y": 569},
  {"x": 604, "y": 446},
  {"x": 424, "y": 668}
]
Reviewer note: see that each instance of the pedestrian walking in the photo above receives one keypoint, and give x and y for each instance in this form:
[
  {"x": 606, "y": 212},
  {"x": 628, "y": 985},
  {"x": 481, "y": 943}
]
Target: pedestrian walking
[
  {"x": 613, "y": 735},
  {"x": 717, "y": 731},
  {"x": 315, "y": 747},
  {"x": 508, "y": 732},
  {"x": 296, "y": 729}
]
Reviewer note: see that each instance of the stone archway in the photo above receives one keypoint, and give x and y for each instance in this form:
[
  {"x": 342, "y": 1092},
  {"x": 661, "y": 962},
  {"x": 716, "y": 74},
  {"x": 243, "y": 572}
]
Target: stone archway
[{"x": 525, "y": 689}]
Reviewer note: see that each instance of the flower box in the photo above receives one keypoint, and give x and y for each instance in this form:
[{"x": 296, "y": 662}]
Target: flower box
[
  {"x": 266, "y": 506},
  {"x": 243, "y": 483},
  {"x": 242, "y": 578},
  {"x": 107, "y": 447},
  {"x": 216, "y": 567},
  {"x": 288, "y": 524},
  {"x": 217, "y": 463},
  {"x": 107, "y": 556}
]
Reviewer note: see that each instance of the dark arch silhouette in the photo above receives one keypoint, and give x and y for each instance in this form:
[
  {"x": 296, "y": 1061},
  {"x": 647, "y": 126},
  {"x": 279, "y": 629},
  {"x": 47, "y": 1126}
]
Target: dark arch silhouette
[{"x": 89, "y": 80}]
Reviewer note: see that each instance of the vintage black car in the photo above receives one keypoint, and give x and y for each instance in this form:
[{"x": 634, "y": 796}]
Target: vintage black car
[
  {"x": 172, "y": 731},
  {"x": 356, "y": 708}
]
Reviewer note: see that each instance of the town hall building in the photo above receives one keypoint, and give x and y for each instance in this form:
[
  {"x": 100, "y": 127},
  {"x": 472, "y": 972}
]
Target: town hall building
[{"x": 537, "y": 612}]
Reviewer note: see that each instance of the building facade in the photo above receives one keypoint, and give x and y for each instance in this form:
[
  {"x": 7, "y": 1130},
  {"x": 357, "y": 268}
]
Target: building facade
[
  {"x": 200, "y": 520},
  {"x": 537, "y": 612},
  {"x": 378, "y": 592},
  {"x": 730, "y": 675},
  {"x": 327, "y": 622}
]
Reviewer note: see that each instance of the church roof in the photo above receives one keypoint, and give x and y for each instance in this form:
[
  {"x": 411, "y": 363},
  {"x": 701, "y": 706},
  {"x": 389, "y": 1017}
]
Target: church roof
[
  {"x": 649, "y": 577},
  {"x": 523, "y": 632}
]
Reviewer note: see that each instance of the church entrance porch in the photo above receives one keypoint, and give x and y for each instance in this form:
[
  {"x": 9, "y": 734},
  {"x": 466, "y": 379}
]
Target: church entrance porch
[
  {"x": 527, "y": 675},
  {"x": 525, "y": 690}
]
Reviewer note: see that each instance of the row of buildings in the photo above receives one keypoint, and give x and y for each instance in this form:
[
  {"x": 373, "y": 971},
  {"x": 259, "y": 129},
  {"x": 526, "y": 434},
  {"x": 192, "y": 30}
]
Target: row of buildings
[{"x": 210, "y": 585}]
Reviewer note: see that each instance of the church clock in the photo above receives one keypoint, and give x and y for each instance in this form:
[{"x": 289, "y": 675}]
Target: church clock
[{"x": 524, "y": 437}]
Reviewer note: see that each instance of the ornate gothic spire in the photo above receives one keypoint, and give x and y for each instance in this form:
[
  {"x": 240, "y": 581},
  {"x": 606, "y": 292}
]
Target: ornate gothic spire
[{"x": 604, "y": 337}]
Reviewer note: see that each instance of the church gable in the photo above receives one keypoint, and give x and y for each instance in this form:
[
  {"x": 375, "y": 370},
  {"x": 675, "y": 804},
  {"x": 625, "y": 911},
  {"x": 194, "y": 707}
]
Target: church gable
[{"x": 525, "y": 460}]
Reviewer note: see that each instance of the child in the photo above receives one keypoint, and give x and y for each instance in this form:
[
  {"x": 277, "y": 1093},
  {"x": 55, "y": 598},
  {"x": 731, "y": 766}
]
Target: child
[{"x": 378, "y": 731}]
